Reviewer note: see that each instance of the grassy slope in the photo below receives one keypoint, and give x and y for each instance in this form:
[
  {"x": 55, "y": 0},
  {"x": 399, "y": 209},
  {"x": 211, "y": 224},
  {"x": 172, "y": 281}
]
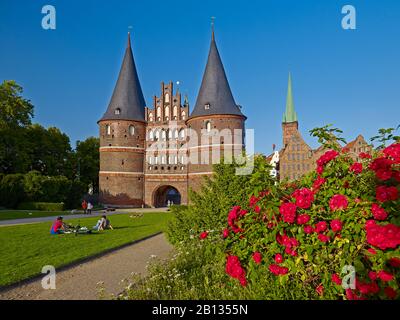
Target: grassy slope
[
  {"x": 25, "y": 249},
  {"x": 24, "y": 214}
]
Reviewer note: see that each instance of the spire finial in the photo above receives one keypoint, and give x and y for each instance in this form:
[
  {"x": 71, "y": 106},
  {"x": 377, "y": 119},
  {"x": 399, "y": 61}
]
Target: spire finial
[
  {"x": 129, "y": 36},
  {"x": 212, "y": 28}
]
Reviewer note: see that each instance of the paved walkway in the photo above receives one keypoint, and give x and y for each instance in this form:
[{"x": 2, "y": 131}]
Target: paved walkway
[
  {"x": 78, "y": 216},
  {"x": 81, "y": 282}
]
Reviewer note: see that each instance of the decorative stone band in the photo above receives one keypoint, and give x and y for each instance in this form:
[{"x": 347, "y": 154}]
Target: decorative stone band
[
  {"x": 121, "y": 173},
  {"x": 121, "y": 149},
  {"x": 217, "y": 145},
  {"x": 199, "y": 173}
]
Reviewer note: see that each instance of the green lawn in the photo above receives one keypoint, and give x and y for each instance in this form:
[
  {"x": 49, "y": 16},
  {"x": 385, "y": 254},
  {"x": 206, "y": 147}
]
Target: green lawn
[
  {"x": 25, "y": 249},
  {"x": 23, "y": 214}
]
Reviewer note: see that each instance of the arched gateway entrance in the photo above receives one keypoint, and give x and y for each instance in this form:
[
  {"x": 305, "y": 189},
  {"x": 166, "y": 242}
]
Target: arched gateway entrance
[{"x": 164, "y": 194}]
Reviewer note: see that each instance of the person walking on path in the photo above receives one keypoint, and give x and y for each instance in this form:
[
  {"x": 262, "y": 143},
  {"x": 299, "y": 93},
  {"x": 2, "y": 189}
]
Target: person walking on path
[
  {"x": 84, "y": 206},
  {"x": 89, "y": 207}
]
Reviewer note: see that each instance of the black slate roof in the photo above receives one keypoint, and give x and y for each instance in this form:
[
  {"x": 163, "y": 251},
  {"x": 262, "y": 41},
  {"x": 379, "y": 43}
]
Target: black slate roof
[
  {"x": 127, "y": 95},
  {"x": 215, "y": 91}
]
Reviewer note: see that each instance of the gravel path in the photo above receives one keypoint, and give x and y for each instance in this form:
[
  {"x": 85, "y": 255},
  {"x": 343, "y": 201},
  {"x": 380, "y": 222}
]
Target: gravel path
[
  {"x": 81, "y": 282},
  {"x": 78, "y": 216}
]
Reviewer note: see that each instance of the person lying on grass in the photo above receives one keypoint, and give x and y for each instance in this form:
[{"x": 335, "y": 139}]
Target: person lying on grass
[
  {"x": 58, "y": 226},
  {"x": 103, "y": 224}
]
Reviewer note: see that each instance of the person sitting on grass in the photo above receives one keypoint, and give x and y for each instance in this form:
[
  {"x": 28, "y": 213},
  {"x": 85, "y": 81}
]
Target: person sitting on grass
[
  {"x": 103, "y": 224},
  {"x": 58, "y": 226}
]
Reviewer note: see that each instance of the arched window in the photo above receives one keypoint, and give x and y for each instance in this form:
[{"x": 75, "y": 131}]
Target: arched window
[
  {"x": 151, "y": 135},
  {"x": 208, "y": 126},
  {"x": 155, "y": 160},
  {"x": 183, "y": 115},
  {"x": 175, "y": 111},
  {"x": 151, "y": 117},
  {"x": 108, "y": 129},
  {"x": 150, "y": 160},
  {"x": 167, "y": 97},
  {"x": 162, "y": 160},
  {"x": 157, "y": 135},
  {"x": 163, "y": 135},
  {"x": 175, "y": 160},
  {"x": 166, "y": 113},
  {"x": 117, "y": 111},
  {"x": 131, "y": 130},
  {"x": 176, "y": 134},
  {"x": 182, "y": 159},
  {"x": 182, "y": 134},
  {"x": 169, "y": 135},
  {"x": 158, "y": 112}
]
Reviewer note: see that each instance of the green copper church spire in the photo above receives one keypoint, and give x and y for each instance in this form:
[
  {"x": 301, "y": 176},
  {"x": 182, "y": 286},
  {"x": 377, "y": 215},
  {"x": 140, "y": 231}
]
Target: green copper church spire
[{"x": 290, "y": 115}]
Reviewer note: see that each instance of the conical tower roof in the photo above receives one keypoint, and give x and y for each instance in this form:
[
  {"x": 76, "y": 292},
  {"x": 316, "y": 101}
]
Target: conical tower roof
[
  {"x": 290, "y": 114},
  {"x": 127, "y": 101},
  {"x": 215, "y": 96}
]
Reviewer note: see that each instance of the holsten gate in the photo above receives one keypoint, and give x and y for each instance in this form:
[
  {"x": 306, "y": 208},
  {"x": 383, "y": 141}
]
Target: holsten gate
[{"x": 150, "y": 156}]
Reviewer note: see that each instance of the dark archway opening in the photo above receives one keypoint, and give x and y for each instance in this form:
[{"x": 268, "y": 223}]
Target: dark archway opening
[{"x": 166, "y": 195}]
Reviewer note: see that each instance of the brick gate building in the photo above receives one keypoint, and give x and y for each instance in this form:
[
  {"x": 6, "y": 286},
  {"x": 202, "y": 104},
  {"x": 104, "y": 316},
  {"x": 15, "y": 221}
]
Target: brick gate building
[{"x": 148, "y": 155}]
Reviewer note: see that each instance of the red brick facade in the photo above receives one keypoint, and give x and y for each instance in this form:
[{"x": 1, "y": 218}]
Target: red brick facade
[{"x": 162, "y": 154}]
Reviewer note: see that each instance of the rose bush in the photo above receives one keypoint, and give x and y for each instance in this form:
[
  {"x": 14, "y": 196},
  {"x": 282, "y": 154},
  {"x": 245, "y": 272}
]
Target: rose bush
[{"x": 344, "y": 214}]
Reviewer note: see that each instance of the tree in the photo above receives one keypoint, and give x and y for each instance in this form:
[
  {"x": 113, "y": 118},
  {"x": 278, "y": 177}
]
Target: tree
[
  {"x": 15, "y": 111},
  {"x": 49, "y": 150},
  {"x": 88, "y": 161},
  {"x": 15, "y": 115}
]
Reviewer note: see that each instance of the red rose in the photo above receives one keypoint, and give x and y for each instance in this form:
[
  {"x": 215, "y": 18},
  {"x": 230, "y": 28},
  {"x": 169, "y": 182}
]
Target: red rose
[
  {"x": 384, "y": 193},
  {"x": 393, "y": 151},
  {"x": 203, "y": 235},
  {"x": 372, "y": 275},
  {"x": 323, "y": 238},
  {"x": 278, "y": 270},
  {"x": 304, "y": 198},
  {"x": 321, "y": 226},
  {"x": 320, "y": 169},
  {"x": 235, "y": 270},
  {"x": 378, "y": 212},
  {"x": 385, "y": 276},
  {"x": 336, "y": 225},
  {"x": 338, "y": 202},
  {"x": 257, "y": 209},
  {"x": 253, "y": 201},
  {"x": 390, "y": 293},
  {"x": 383, "y": 237},
  {"x": 382, "y": 168},
  {"x": 327, "y": 157},
  {"x": 225, "y": 233},
  {"x": 257, "y": 257},
  {"x": 364, "y": 155},
  {"x": 318, "y": 183},
  {"x": 395, "y": 262},
  {"x": 278, "y": 258},
  {"x": 371, "y": 251},
  {"x": 288, "y": 211},
  {"x": 320, "y": 290},
  {"x": 308, "y": 229},
  {"x": 336, "y": 279},
  {"x": 356, "y": 168},
  {"x": 303, "y": 218}
]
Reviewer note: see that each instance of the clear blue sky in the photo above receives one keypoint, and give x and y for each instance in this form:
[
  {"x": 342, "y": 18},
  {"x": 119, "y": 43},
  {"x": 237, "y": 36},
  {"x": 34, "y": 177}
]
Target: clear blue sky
[{"x": 346, "y": 77}]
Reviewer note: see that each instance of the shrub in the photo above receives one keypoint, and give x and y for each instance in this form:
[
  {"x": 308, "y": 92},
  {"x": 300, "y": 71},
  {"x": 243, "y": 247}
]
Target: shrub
[
  {"x": 209, "y": 206},
  {"x": 303, "y": 235},
  {"x": 12, "y": 190},
  {"x": 41, "y": 206}
]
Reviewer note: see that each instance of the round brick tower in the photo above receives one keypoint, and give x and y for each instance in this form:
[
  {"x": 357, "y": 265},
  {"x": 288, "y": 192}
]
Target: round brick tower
[
  {"x": 122, "y": 138},
  {"x": 216, "y": 125}
]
